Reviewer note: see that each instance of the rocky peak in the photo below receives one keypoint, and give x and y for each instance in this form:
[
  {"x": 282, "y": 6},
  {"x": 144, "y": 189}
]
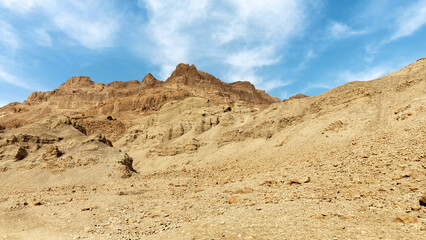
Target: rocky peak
[
  {"x": 298, "y": 96},
  {"x": 243, "y": 85},
  {"x": 78, "y": 81},
  {"x": 150, "y": 81},
  {"x": 185, "y": 70}
]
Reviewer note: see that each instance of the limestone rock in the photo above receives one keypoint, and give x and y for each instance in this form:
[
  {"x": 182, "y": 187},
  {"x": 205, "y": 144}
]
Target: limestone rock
[
  {"x": 406, "y": 219},
  {"x": 298, "y": 96},
  {"x": 422, "y": 200},
  {"x": 233, "y": 199},
  {"x": 294, "y": 181},
  {"x": 21, "y": 153}
]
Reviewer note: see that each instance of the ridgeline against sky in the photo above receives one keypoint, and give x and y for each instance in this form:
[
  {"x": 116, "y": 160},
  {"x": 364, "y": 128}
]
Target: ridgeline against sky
[{"x": 285, "y": 47}]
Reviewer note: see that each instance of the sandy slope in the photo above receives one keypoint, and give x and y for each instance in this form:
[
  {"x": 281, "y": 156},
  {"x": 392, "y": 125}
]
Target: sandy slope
[{"x": 349, "y": 163}]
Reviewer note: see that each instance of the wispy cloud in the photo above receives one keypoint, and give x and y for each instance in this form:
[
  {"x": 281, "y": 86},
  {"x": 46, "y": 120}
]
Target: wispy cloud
[
  {"x": 337, "y": 30},
  {"x": 310, "y": 54},
  {"x": 5, "y": 76},
  {"x": 243, "y": 65},
  {"x": 315, "y": 85},
  {"x": 9, "y": 45},
  {"x": 21, "y": 6},
  {"x": 9, "y": 41},
  {"x": 92, "y": 24},
  {"x": 398, "y": 21},
  {"x": 42, "y": 37},
  {"x": 271, "y": 84},
  {"x": 3, "y": 103},
  {"x": 365, "y": 74},
  {"x": 243, "y": 36},
  {"x": 412, "y": 19}
]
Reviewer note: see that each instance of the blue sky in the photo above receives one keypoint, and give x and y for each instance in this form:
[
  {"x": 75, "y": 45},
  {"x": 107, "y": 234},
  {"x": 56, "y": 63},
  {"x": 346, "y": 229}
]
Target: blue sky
[{"x": 282, "y": 46}]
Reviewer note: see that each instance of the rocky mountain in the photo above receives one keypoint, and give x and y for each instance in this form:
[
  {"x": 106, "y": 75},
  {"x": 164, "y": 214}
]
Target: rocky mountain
[
  {"x": 195, "y": 158},
  {"x": 81, "y": 96}
]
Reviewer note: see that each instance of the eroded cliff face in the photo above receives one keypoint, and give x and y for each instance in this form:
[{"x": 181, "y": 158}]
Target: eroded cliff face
[{"x": 80, "y": 95}]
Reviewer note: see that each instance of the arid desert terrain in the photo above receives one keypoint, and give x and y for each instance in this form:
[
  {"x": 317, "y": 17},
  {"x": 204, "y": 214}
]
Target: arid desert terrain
[{"x": 193, "y": 157}]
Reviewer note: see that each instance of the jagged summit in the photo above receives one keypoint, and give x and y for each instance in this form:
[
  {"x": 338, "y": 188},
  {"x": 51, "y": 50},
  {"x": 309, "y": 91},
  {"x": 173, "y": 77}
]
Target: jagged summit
[
  {"x": 185, "y": 70},
  {"x": 189, "y": 75}
]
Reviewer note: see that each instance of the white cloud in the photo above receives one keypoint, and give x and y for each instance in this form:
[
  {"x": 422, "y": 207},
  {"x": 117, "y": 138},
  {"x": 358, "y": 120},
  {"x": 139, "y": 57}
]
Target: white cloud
[
  {"x": 246, "y": 60},
  {"x": 9, "y": 44},
  {"x": 3, "y": 103},
  {"x": 243, "y": 67},
  {"x": 256, "y": 80},
  {"x": 346, "y": 76},
  {"x": 311, "y": 86},
  {"x": 401, "y": 21},
  {"x": 413, "y": 18},
  {"x": 21, "y": 6},
  {"x": 5, "y": 76},
  {"x": 310, "y": 54},
  {"x": 273, "y": 84},
  {"x": 338, "y": 30},
  {"x": 9, "y": 41},
  {"x": 42, "y": 37},
  {"x": 92, "y": 24},
  {"x": 365, "y": 75},
  {"x": 284, "y": 95},
  {"x": 243, "y": 36}
]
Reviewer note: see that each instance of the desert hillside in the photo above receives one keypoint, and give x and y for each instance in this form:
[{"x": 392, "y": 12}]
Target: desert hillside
[{"x": 193, "y": 157}]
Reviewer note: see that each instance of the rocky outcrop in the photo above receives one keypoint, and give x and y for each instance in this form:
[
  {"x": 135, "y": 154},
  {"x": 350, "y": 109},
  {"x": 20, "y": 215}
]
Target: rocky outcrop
[
  {"x": 205, "y": 85},
  {"x": 150, "y": 81},
  {"x": 298, "y": 96},
  {"x": 78, "y": 82}
]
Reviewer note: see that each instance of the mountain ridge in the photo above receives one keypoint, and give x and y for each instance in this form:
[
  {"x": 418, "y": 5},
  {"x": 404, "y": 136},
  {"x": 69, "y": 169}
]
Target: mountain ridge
[{"x": 81, "y": 95}]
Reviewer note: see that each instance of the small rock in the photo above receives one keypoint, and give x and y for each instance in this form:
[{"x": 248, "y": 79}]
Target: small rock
[
  {"x": 415, "y": 208},
  {"x": 406, "y": 219},
  {"x": 422, "y": 200},
  {"x": 245, "y": 190},
  {"x": 233, "y": 199},
  {"x": 307, "y": 179},
  {"x": 36, "y": 203},
  {"x": 294, "y": 181},
  {"x": 21, "y": 153}
]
